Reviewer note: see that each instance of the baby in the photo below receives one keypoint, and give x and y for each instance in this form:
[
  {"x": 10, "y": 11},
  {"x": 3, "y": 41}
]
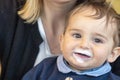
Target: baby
[{"x": 89, "y": 43}]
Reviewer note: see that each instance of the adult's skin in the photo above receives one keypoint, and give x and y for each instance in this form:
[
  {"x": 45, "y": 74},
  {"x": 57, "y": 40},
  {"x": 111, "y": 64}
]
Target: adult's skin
[{"x": 19, "y": 41}]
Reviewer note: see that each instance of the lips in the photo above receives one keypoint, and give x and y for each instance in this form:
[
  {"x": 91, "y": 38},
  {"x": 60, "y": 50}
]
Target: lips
[
  {"x": 82, "y": 52},
  {"x": 82, "y": 55}
]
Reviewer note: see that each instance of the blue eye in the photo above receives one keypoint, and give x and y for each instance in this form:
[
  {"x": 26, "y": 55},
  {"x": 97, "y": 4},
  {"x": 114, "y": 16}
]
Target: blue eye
[
  {"x": 76, "y": 35},
  {"x": 98, "y": 40}
]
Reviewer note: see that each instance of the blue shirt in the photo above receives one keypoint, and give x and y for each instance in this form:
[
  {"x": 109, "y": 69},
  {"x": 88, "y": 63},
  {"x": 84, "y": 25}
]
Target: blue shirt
[{"x": 64, "y": 68}]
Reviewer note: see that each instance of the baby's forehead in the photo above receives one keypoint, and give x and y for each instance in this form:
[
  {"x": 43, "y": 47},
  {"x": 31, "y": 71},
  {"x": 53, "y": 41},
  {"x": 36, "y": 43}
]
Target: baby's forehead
[
  {"x": 84, "y": 11},
  {"x": 109, "y": 26}
]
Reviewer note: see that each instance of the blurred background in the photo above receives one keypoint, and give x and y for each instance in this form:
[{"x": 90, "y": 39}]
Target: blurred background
[{"x": 115, "y": 4}]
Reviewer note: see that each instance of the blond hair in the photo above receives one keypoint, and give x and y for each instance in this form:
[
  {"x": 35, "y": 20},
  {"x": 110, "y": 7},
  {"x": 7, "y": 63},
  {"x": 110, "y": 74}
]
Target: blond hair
[{"x": 31, "y": 11}]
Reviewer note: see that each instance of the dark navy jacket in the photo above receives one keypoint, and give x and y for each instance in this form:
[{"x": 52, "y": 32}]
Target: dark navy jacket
[
  {"x": 47, "y": 70},
  {"x": 19, "y": 42}
]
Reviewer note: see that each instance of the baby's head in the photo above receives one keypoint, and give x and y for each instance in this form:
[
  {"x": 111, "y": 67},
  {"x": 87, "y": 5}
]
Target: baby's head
[{"x": 91, "y": 36}]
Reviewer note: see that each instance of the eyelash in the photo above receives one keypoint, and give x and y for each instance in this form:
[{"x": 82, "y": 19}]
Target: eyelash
[
  {"x": 97, "y": 40},
  {"x": 76, "y": 35}
]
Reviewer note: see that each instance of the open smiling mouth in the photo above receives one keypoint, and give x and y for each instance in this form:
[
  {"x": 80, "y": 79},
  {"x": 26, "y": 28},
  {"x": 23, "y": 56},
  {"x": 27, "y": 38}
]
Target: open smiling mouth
[{"x": 82, "y": 55}]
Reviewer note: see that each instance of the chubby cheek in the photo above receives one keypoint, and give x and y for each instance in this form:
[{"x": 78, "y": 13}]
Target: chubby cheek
[
  {"x": 68, "y": 46},
  {"x": 100, "y": 55},
  {"x": 67, "y": 50}
]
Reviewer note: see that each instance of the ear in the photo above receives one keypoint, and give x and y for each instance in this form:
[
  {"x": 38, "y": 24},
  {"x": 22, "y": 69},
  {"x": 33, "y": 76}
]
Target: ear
[{"x": 114, "y": 55}]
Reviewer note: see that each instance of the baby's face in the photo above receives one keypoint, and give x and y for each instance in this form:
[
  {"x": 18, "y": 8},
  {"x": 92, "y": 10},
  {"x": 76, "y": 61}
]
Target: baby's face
[{"x": 87, "y": 42}]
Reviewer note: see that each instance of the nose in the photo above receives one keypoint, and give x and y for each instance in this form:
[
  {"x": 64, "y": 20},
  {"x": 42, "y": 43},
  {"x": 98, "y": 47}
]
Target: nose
[{"x": 84, "y": 43}]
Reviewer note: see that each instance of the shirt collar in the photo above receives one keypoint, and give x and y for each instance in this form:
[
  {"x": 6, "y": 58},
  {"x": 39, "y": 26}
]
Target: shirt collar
[{"x": 64, "y": 68}]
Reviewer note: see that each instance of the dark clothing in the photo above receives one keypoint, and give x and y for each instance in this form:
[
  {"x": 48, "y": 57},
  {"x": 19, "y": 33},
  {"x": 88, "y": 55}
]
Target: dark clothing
[
  {"x": 116, "y": 66},
  {"x": 47, "y": 70},
  {"x": 19, "y": 42}
]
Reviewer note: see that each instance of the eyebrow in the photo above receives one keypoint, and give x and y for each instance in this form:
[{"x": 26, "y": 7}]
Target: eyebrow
[
  {"x": 74, "y": 29},
  {"x": 101, "y": 35},
  {"x": 98, "y": 34}
]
